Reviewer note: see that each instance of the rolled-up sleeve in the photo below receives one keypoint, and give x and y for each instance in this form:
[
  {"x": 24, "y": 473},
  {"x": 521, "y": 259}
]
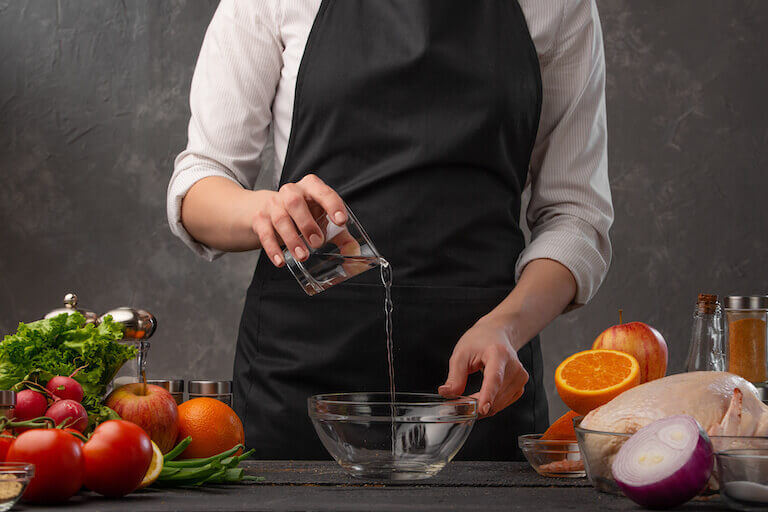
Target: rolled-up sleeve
[
  {"x": 231, "y": 95},
  {"x": 570, "y": 211}
]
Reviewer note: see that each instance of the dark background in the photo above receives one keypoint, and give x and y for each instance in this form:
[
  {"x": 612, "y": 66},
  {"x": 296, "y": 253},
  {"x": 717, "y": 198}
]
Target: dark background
[{"x": 94, "y": 108}]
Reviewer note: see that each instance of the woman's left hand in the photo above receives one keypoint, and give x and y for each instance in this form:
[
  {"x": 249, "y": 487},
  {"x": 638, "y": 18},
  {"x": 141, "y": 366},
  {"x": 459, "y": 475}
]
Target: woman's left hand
[{"x": 486, "y": 346}]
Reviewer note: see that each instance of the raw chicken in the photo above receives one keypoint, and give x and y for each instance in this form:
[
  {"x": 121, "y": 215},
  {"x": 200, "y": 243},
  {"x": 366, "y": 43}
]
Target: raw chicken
[{"x": 724, "y": 404}]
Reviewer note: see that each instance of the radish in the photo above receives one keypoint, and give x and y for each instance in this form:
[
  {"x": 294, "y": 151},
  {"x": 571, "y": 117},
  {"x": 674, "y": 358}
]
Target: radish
[
  {"x": 65, "y": 388},
  {"x": 30, "y": 404},
  {"x": 69, "y": 411},
  {"x": 664, "y": 464}
]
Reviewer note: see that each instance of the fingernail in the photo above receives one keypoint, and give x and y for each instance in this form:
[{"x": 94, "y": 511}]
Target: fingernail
[
  {"x": 315, "y": 240},
  {"x": 340, "y": 217},
  {"x": 442, "y": 388},
  {"x": 277, "y": 259},
  {"x": 486, "y": 408},
  {"x": 300, "y": 252}
]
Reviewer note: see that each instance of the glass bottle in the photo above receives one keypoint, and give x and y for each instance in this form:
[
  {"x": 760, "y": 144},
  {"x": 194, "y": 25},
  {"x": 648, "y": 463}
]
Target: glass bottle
[{"x": 705, "y": 353}]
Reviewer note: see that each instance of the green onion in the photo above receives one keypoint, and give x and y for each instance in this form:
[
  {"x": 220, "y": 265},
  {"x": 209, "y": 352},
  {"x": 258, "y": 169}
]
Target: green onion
[{"x": 178, "y": 449}]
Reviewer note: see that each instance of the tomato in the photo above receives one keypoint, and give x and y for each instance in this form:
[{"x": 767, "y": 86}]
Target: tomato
[
  {"x": 117, "y": 457},
  {"x": 75, "y": 433},
  {"x": 6, "y": 439},
  {"x": 58, "y": 460}
]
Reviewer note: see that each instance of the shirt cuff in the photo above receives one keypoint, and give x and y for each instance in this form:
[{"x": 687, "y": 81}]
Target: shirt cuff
[
  {"x": 576, "y": 253},
  {"x": 180, "y": 184}
]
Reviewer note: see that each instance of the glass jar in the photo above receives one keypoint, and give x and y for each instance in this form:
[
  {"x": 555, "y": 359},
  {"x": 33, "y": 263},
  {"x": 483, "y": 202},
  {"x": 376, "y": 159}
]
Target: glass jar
[
  {"x": 174, "y": 386},
  {"x": 7, "y": 403},
  {"x": 218, "y": 389},
  {"x": 747, "y": 324}
]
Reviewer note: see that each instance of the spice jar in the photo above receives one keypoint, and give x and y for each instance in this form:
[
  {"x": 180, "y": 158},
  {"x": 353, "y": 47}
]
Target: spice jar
[
  {"x": 218, "y": 389},
  {"x": 7, "y": 403},
  {"x": 139, "y": 325},
  {"x": 747, "y": 324},
  {"x": 174, "y": 386}
]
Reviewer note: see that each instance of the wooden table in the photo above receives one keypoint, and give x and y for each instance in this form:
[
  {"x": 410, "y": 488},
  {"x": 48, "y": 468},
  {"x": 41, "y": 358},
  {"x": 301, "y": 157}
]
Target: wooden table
[{"x": 298, "y": 486}]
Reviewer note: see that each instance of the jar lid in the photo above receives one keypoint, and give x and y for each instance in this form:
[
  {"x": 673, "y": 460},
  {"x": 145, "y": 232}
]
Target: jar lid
[
  {"x": 209, "y": 387},
  {"x": 172, "y": 385},
  {"x": 7, "y": 398},
  {"x": 762, "y": 390},
  {"x": 746, "y": 302},
  {"x": 70, "y": 306}
]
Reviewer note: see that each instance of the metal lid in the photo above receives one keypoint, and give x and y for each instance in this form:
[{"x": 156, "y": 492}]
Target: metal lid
[
  {"x": 762, "y": 391},
  {"x": 7, "y": 398},
  {"x": 70, "y": 306},
  {"x": 139, "y": 324},
  {"x": 746, "y": 302},
  {"x": 172, "y": 385},
  {"x": 209, "y": 387}
]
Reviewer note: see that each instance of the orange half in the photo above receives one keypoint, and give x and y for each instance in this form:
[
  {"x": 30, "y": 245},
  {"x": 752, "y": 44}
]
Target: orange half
[{"x": 591, "y": 378}]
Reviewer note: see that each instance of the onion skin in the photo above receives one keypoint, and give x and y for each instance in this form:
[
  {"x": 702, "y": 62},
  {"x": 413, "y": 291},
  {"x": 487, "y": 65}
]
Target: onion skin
[{"x": 679, "y": 487}]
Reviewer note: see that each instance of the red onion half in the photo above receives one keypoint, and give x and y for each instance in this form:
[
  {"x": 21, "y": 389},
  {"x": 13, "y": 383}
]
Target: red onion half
[{"x": 664, "y": 464}]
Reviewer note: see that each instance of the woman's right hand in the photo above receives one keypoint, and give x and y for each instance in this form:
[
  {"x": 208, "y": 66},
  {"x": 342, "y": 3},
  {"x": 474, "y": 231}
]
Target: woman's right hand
[{"x": 289, "y": 211}]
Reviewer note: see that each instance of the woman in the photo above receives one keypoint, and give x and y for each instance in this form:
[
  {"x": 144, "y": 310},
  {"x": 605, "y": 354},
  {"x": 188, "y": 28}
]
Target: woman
[{"x": 425, "y": 117}]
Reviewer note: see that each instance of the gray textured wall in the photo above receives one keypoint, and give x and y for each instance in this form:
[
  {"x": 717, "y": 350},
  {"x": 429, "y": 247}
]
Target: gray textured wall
[{"x": 93, "y": 109}]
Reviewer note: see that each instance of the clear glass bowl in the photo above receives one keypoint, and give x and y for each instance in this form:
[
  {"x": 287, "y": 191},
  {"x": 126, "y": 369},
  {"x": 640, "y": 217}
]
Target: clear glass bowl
[
  {"x": 599, "y": 448},
  {"x": 14, "y": 477},
  {"x": 743, "y": 478},
  {"x": 372, "y": 437},
  {"x": 551, "y": 457}
]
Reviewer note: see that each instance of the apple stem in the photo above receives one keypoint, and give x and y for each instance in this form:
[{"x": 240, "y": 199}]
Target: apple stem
[{"x": 620, "y": 311}]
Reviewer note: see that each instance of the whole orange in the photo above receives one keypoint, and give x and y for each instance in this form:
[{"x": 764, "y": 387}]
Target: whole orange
[{"x": 213, "y": 425}]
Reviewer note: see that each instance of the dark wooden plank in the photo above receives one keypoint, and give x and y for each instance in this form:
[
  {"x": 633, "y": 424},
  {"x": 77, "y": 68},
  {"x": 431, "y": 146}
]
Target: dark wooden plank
[
  {"x": 279, "y": 498},
  {"x": 457, "y": 474},
  {"x": 321, "y": 486}
]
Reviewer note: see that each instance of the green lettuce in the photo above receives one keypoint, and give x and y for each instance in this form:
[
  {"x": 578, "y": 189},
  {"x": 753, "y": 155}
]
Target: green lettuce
[{"x": 59, "y": 346}]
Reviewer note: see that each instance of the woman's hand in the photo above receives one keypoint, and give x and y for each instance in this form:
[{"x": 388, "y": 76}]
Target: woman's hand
[
  {"x": 486, "y": 346},
  {"x": 292, "y": 210}
]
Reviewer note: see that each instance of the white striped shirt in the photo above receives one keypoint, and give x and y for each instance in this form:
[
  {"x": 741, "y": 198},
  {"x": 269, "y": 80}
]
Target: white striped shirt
[{"x": 245, "y": 80}]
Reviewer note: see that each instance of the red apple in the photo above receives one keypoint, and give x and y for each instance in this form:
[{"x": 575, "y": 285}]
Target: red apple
[
  {"x": 640, "y": 340},
  {"x": 150, "y": 407}
]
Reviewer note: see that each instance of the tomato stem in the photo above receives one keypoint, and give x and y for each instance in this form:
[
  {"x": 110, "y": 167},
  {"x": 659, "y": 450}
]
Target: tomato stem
[{"x": 40, "y": 422}]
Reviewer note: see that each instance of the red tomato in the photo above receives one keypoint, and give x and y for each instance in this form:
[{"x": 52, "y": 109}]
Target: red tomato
[
  {"x": 58, "y": 460},
  {"x": 117, "y": 457},
  {"x": 6, "y": 439},
  {"x": 75, "y": 433}
]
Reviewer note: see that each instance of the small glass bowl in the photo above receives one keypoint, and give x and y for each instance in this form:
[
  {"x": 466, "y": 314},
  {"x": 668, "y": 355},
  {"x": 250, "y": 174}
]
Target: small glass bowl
[
  {"x": 599, "y": 448},
  {"x": 597, "y": 452},
  {"x": 372, "y": 437},
  {"x": 14, "y": 477},
  {"x": 743, "y": 478},
  {"x": 553, "y": 458}
]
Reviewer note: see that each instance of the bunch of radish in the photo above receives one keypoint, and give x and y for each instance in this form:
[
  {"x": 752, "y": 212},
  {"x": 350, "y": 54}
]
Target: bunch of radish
[{"x": 65, "y": 395}]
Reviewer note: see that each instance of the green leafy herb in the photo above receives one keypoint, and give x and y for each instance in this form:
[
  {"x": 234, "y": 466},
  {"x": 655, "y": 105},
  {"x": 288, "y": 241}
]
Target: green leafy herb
[{"x": 60, "y": 345}]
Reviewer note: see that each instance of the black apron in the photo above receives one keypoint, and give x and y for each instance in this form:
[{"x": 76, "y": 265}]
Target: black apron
[{"x": 422, "y": 115}]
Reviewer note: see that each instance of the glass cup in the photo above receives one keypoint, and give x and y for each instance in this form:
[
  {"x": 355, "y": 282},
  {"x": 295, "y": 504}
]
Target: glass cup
[{"x": 346, "y": 252}]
